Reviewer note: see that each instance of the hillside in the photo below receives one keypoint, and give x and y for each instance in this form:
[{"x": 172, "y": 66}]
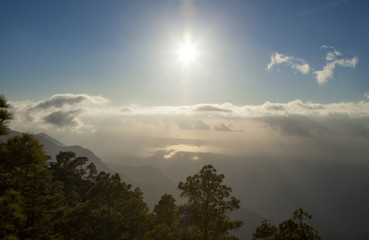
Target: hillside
[{"x": 149, "y": 179}]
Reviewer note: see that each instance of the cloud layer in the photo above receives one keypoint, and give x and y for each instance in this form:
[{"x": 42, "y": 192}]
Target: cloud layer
[
  {"x": 333, "y": 59},
  {"x": 77, "y": 112},
  {"x": 217, "y": 128}
]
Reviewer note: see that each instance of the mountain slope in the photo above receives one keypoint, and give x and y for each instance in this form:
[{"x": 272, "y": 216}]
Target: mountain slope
[
  {"x": 150, "y": 179},
  {"x": 52, "y": 147},
  {"x": 50, "y": 139}
]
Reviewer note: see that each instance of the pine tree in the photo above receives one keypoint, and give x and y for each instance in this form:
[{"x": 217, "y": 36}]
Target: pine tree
[
  {"x": 5, "y": 115},
  {"x": 209, "y": 203},
  {"x": 265, "y": 231},
  {"x": 290, "y": 229},
  {"x": 92, "y": 172},
  {"x": 165, "y": 219},
  {"x": 25, "y": 178},
  {"x": 69, "y": 169},
  {"x": 113, "y": 211}
]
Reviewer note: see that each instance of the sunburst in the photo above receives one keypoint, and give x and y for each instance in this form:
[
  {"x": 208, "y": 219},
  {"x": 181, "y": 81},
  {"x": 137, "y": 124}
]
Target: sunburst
[{"x": 187, "y": 52}]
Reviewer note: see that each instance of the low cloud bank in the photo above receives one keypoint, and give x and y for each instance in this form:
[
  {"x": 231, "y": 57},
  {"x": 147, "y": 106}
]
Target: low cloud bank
[
  {"x": 291, "y": 129},
  {"x": 84, "y": 113}
]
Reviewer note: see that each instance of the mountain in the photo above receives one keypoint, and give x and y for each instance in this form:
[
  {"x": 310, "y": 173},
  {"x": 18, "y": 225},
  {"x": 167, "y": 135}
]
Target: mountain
[
  {"x": 150, "y": 179},
  {"x": 145, "y": 173},
  {"x": 52, "y": 147},
  {"x": 45, "y": 137},
  {"x": 332, "y": 191}
]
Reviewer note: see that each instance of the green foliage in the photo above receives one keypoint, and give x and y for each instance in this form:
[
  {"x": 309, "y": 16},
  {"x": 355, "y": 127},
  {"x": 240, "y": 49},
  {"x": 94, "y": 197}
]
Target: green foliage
[
  {"x": 264, "y": 231},
  {"x": 12, "y": 214},
  {"x": 209, "y": 202},
  {"x": 33, "y": 203},
  {"x": 299, "y": 215},
  {"x": 70, "y": 170},
  {"x": 112, "y": 211},
  {"x": 37, "y": 199},
  {"x": 5, "y": 115},
  {"x": 166, "y": 210},
  {"x": 290, "y": 229},
  {"x": 92, "y": 172},
  {"x": 165, "y": 219},
  {"x": 296, "y": 229}
]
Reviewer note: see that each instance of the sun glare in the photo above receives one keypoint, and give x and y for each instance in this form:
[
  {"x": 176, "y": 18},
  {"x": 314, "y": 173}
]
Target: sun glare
[{"x": 187, "y": 51}]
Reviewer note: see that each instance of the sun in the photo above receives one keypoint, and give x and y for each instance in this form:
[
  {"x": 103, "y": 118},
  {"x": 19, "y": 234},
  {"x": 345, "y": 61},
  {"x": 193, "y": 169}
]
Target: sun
[{"x": 187, "y": 52}]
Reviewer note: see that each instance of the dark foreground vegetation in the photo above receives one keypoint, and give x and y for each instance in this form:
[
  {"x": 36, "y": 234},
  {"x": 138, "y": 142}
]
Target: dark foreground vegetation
[{"x": 70, "y": 199}]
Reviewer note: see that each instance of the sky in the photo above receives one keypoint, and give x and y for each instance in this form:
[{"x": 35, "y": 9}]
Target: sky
[
  {"x": 240, "y": 81},
  {"x": 249, "y": 52}
]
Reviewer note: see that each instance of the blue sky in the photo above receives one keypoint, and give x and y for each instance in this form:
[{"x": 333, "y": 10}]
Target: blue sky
[{"x": 123, "y": 50}]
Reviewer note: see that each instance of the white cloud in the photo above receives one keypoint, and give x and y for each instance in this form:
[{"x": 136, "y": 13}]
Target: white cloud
[
  {"x": 303, "y": 68},
  {"x": 326, "y": 73},
  {"x": 333, "y": 57},
  {"x": 295, "y": 63},
  {"x": 332, "y": 54},
  {"x": 366, "y": 95},
  {"x": 333, "y": 60},
  {"x": 277, "y": 58},
  {"x": 61, "y": 111}
]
